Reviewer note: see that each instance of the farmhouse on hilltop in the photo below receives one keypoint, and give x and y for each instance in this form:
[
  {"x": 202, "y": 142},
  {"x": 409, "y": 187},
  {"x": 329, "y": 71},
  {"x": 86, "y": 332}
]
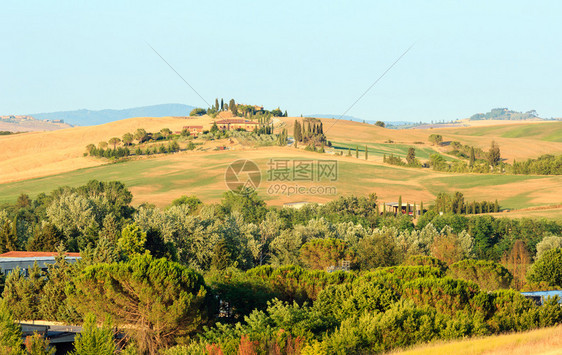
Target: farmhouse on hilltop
[{"x": 235, "y": 123}]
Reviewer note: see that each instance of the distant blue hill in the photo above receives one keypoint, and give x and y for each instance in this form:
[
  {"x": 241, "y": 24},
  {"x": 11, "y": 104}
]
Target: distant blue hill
[
  {"x": 90, "y": 118},
  {"x": 351, "y": 118},
  {"x": 347, "y": 118}
]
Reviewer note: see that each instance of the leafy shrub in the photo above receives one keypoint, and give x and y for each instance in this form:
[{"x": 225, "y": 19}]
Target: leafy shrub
[
  {"x": 424, "y": 260},
  {"x": 548, "y": 268},
  {"x": 446, "y": 295},
  {"x": 402, "y": 325},
  {"x": 353, "y": 299},
  {"x": 487, "y": 274},
  {"x": 323, "y": 253},
  {"x": 512, "y": 312},
  {"x": 294, "y": 283}
]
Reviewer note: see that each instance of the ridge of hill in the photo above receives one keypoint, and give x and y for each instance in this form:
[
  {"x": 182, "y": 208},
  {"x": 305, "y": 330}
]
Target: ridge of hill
[{"x": 86, "y": 117}]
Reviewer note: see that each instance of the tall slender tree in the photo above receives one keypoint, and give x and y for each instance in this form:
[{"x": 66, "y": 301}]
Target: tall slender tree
[
  {"x": 494, "y": 155},
  {"x": 297, "y": 132},
  {"x": 472, "y": 157},
  {"x": 411, "y": 157}
]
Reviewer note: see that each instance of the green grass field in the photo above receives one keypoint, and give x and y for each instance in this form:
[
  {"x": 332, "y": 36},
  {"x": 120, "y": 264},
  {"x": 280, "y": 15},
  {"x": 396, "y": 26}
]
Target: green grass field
[
  {"x": 380, "y": 149},
  {"x": 547, "y": 131},
  {"x": 160, "y": 179}
]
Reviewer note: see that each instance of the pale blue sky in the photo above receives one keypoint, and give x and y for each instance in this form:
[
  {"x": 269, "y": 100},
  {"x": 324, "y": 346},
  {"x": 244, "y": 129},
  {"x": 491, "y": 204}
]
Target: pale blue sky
[{"x": 304, "y": 56}]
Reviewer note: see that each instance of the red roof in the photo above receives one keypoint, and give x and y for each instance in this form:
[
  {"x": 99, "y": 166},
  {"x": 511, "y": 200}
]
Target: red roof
[
  {"x": 235, "y": 121},
  {"x": 33, "y": 254}
]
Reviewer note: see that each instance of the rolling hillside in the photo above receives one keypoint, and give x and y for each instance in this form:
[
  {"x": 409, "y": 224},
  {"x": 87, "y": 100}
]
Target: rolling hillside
[
  {"x": 39, "y": 162},
  {"x": 517, "y": 141},
  {"x": 39, "y": 154}
]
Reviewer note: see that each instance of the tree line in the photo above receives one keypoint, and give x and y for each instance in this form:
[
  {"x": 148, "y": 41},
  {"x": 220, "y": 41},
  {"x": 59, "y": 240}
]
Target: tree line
[
  {"x": 310, "y": 132},
  {"x": 247, "y": 111},
  {"x": 104, "y": 150},
  {"x": 479, "y": 161},
  {"x": 244, "y": 265}
]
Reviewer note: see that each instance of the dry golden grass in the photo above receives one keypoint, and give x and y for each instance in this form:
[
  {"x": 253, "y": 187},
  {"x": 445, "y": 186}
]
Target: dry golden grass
[
  {"x": 33, "y": 155},
  {"x": 547, "y": 341},
  {"x": 511, "y": 148},
  {"x": 486, "y": 123},
  {"x": 39, "y": 154},
  {"x": 36, "y": 154}
]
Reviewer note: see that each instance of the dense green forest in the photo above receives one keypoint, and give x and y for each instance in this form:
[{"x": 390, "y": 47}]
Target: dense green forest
[{"x": 241, "y": 277}]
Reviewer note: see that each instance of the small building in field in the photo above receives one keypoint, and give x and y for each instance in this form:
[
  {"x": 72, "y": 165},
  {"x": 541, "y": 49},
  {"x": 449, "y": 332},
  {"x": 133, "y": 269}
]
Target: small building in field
[
  {"x": 393, "y": 207},
  {"x": 25, "y": 260},
  {"x": 194, "y": 130},
  {"x": 231, "y": 124}
]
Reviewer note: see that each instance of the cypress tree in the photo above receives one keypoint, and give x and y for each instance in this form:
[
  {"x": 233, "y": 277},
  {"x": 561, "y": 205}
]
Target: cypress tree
[
  {"x": 297, "y": 132},
  {"x": 366, "y": 153},
  {"x": 421, "y": 208},
  {"x": 472, "y": 157},
  {"x": 10, "y": 331},
  {"x": 222, "y": 104},
  {"x": 216, "y": 104},
  {"x": 8, "y": 237},
  {"x": 357, "y": 152},
  {"x": 415, "y": 210},
  {"x": 400, "y": 204}
]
